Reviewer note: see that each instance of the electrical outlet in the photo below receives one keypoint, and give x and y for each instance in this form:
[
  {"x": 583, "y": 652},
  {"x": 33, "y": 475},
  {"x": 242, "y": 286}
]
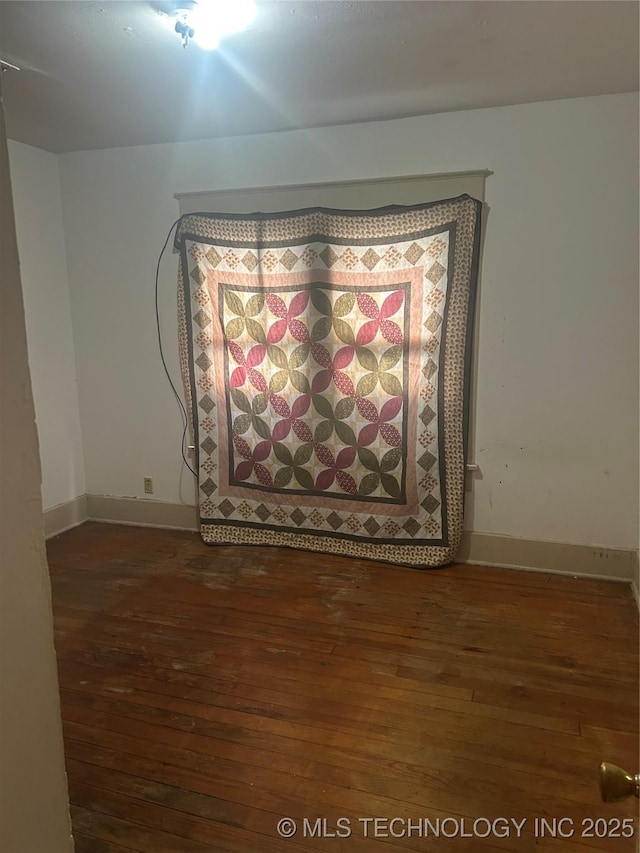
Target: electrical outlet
[{"x": 148, "y": 486}]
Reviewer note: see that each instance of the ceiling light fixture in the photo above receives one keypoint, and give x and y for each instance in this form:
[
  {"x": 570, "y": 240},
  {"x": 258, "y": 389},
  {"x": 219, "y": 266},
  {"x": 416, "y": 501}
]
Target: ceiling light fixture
[{"x": 206, "y": 22}]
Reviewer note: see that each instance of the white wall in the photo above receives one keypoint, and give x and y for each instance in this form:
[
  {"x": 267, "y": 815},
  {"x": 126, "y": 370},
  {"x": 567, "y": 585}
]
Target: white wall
[
  {"x": 34, "y": 805},
  {"x": 38, "y": 212},
  {"x": 557, "y": 417}
]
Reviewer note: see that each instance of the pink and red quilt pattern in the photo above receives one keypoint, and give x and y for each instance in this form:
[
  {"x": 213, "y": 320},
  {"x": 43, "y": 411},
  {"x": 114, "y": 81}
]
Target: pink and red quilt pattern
[{"x": 325, "y": 358}]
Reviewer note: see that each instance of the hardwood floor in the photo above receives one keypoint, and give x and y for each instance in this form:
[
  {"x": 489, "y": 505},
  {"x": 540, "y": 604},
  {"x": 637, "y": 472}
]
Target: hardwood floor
[{"x": 208, "y": 692}]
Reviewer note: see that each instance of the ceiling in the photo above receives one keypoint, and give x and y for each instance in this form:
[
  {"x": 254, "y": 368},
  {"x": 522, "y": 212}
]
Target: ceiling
[{"x": 103, "y": 74}]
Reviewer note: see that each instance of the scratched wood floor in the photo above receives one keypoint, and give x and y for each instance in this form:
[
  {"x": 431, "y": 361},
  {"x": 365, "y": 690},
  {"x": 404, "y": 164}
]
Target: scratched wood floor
[{"x": 208, "y": 692}]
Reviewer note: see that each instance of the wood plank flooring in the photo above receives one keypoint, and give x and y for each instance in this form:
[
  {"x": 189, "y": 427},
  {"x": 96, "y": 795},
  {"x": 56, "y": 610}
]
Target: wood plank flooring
[{"x": 209, "y": 692}]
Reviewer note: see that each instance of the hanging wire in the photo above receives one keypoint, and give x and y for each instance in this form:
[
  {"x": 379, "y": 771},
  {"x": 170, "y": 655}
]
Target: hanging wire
[{"x": 183, "y": 411}]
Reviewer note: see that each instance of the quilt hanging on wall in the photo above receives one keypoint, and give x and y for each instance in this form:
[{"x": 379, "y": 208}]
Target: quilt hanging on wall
[{"x": 325, "y": 356}]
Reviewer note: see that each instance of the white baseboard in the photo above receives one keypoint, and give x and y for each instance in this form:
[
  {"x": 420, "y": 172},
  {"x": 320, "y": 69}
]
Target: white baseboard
[
  {"x": 64, "y": 516},
  {"x": 481, "y": 549},
  {"x": 490, "y": 549},
  {"x": 142, "y": 512}
]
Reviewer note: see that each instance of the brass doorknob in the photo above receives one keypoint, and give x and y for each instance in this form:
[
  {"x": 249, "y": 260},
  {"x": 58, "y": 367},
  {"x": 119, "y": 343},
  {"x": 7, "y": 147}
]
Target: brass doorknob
[{"x": 616, "y": 784}]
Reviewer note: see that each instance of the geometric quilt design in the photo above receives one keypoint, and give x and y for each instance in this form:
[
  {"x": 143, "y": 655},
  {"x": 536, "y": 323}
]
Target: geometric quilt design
[
  {"x": 325, "y": 359},
  {"x": 316, "y": 390}
]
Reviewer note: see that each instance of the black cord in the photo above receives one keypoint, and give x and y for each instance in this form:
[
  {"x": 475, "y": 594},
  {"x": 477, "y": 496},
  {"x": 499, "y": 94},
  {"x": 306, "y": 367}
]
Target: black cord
[{"x": 183, "y": 411}]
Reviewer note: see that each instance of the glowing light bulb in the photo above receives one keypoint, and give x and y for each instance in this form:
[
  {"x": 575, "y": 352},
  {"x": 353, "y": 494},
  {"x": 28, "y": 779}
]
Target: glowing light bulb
[{"x": 213, "y": 19}]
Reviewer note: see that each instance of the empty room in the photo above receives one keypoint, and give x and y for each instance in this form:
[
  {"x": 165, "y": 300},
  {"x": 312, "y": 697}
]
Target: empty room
[{"x": 320, "y": 426}]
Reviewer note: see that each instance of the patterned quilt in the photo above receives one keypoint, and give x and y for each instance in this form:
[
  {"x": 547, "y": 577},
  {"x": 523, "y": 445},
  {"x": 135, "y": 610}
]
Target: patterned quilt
[{"x": 325, "y": 357}]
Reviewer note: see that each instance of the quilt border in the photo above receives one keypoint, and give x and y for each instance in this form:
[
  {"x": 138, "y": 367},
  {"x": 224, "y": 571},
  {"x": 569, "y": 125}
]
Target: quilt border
[{"x": 406, "y": 552}]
